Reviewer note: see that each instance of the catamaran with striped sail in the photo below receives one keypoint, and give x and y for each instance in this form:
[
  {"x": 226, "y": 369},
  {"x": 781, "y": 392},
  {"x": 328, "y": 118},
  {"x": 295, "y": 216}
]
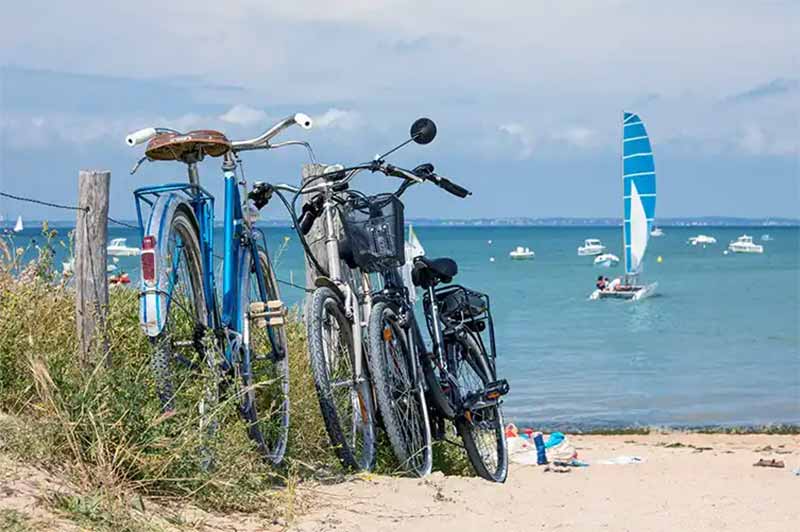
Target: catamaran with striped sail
[{"x": 639, "y": 207}]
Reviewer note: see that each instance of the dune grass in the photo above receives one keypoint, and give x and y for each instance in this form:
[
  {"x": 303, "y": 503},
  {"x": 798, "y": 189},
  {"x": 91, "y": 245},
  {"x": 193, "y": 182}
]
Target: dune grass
[{"x": 104, "y": 429}]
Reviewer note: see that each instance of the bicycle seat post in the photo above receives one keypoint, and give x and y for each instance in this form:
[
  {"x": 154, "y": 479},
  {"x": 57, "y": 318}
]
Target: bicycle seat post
[{"x": 194, "y": 176}]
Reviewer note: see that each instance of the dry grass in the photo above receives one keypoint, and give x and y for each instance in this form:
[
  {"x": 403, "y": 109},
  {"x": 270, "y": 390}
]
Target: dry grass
[{"x": 103, "y": 427}]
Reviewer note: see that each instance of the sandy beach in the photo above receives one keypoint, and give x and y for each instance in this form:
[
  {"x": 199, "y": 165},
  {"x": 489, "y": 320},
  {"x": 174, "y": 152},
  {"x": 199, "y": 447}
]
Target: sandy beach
[
  {"x": 689, "y": 482},
  {"x": 692, "y": 482}
]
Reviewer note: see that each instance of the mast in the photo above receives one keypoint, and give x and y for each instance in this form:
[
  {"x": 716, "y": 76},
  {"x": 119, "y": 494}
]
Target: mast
[{"x": 622, "y": 174}]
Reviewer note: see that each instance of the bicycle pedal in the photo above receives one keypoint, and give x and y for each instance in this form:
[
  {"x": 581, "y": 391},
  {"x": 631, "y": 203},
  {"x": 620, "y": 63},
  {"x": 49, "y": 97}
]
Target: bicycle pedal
[{"x": 270, "y": 313}]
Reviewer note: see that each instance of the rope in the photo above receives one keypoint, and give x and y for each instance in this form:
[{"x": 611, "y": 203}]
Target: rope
[
  {"x": 65, "y": 207},
  {"x": 45, "y": 203},
  {"x": 124, "y": 224}
]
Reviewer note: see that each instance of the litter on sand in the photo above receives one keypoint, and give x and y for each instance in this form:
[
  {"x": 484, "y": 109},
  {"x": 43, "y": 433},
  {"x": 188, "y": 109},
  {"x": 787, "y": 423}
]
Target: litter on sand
[
  {"x": 621, "y": 460},
  {"x": 769, "y": 463}
]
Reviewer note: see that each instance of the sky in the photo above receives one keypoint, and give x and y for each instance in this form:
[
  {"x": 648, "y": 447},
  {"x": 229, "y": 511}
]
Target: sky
[{"x": 527, "y": 95}]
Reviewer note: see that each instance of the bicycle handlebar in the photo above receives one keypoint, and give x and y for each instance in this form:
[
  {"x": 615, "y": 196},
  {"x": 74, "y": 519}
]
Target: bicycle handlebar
[{"x": 262, "y": 141}]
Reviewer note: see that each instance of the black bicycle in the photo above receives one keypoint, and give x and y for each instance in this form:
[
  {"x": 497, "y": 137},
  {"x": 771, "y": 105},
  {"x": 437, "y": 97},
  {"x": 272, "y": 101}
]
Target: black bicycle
[{"x": 412, "y": 386}]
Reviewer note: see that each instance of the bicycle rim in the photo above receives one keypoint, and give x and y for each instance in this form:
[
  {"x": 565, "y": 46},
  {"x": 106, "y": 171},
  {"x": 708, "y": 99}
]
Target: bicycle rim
[
  {"x": 399, "y": 394},
  {"x": 184, "y": 365},
  {"x": 481, "y": 430},
  {"x": 345, "y": 401},
  {"x": 265, "y": 369}
]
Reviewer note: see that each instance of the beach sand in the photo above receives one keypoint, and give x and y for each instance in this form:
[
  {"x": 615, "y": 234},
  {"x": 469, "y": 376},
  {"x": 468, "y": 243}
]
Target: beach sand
[
  {"x": 686, "y": 486},
  {"x": 687, "y": 482}
]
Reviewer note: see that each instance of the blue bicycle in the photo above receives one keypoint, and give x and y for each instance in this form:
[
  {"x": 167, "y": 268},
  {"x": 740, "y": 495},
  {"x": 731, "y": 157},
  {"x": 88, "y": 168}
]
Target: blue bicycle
[{"x": 202, "y": 345}]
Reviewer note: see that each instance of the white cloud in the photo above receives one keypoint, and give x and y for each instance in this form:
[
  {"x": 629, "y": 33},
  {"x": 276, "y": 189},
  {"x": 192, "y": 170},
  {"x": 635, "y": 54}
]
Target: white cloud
[
  {"x": 577, "y": 136},
  {"x": 242, "y": 115},
  {"x": 338, "y": 118},
  {"x": 755, "y": 140},
  {"x": 519, "y": 135}
]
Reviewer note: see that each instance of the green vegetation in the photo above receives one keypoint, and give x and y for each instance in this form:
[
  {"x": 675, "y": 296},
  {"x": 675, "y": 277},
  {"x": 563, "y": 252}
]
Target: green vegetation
[{"x": 104, "y": 429}]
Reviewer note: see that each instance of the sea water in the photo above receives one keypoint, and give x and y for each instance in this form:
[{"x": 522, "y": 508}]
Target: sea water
[{"x": 717, "y": 345}]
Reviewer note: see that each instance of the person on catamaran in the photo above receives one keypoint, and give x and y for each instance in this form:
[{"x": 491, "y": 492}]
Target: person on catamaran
[{"x": 601, "y": 282}]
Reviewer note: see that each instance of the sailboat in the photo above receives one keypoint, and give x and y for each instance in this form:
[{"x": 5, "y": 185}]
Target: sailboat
[
  {"x": 639, "y": 208},
  {"x": 18, "y": 227}
]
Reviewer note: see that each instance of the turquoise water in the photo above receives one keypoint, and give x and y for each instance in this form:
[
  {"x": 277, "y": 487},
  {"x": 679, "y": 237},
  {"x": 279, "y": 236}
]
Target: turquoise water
[{"x": 717, "y": 345}]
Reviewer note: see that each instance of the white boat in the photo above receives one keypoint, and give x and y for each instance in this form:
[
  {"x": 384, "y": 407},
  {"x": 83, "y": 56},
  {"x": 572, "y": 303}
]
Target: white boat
[
  {"x": 591, "y": 246},
  {"x": 702, "y": 240},
  {"x": 744, "y": 244},
  {"x": 766, "y": 238},
  {"x": 522, "y": 253},
  {"x": 118, "y": 248},
  {"x": 606, "y": 260},
  {"x": 656, "y": 232},
  {"x": 639, "y": 209},
  {"x": 18, "y": 227}
]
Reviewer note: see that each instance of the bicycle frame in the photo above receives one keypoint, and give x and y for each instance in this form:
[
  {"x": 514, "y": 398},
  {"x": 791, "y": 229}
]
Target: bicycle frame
[{"x": 238, "y": 235}]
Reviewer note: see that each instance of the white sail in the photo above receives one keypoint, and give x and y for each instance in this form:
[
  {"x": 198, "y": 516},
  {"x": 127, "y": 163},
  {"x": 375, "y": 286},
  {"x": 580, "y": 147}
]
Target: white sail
[
  {"x": 18, "y": 226},
  {"x": 639, "y": 231},
  {"x": 413, "y": 249}
]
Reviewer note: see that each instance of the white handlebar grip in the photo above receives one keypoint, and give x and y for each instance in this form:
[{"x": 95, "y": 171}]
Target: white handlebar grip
[
  {"x": 138, "y": 137},
  {"x": 303, "y": 120}
]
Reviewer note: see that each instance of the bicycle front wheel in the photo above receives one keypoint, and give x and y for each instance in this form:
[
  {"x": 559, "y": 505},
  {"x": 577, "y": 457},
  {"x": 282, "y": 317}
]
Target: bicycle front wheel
[
  {"x": 265, "y": 364},
  {"x": 481, "y": 430},
  {"x": 345, "y": 398},
  {"x": 398, "y": 391}
]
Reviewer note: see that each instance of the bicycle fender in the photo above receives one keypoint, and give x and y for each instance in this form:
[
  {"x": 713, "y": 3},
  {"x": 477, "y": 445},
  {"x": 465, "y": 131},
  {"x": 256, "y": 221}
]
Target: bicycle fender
[
  {"x": 324, "y": 281},
  {"x": 153, "y": 300}
]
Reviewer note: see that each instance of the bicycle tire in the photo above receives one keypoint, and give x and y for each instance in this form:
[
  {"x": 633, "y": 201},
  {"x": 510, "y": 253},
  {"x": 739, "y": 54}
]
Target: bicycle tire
[
  {"x": 265, "y": 374},
  {"x": 482, "y": 431},
  {"x": 185, "y": 387},
  {"x": 355, "y": 447},
  {"x": 398, "y": 392}
]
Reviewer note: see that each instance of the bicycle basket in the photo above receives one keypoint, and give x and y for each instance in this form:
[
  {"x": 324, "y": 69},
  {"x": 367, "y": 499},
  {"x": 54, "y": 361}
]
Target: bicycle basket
[{"x": 373, "y": 226}]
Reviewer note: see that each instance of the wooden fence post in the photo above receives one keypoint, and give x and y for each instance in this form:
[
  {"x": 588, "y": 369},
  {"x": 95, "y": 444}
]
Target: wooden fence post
[{"x": 91, "y": 234}]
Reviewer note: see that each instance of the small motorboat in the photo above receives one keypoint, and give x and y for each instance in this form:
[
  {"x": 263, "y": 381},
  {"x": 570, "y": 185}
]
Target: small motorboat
[
  {"x": 606, "y": 260},
  {"x": 766, "y": 238},
  {"x": 591, "y": 246},
  {"x": 702, "y": 240},
  {"x": 744, "y": 244},
  {"x": 522, "y": 253},
  {"x": 656, "y": 231},
  {"x": 118, "y": 248}
]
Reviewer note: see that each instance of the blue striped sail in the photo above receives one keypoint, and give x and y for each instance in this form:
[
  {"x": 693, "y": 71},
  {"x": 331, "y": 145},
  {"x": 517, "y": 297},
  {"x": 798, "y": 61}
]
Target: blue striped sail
[{"x": 639, "y": 190}]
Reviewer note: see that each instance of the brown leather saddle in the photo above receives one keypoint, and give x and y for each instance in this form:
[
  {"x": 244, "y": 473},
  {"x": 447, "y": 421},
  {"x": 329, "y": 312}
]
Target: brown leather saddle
[{"x": 189, "y": 147}]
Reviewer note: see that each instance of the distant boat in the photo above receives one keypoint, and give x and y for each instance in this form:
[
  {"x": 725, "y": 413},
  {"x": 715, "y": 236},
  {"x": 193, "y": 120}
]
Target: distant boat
[
  {"x": 18, "y": 227},
  {"x": 591, "y": 246},
  {"x": 522, "y": 253},
  {"x": 744, "y": 244},
  {"x": 656, "y": 231},
  {"x": 639, "y": 210},
  {"x": 702, "y": 240},
  {"x": 118, "y": 248},
  {"x": 606, "y": 260},
  {"x": 766, "y": 238}
]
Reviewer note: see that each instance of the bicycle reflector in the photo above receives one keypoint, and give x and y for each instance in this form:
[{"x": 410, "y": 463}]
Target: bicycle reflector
[{"x": 149, "y": 259}]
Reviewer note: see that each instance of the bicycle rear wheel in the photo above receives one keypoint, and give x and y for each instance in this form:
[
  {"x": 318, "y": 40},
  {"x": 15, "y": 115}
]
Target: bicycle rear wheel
[
  {"x": 398, "y": 391},
  {"x": 265, "y": 363},
  {"x": 345, "y": 399},
  {"x": 184, "y": 366},
  {"x": 481, "y": 430}
]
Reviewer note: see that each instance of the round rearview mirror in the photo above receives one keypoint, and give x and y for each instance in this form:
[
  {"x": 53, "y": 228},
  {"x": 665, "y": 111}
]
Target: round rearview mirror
[{"x": 423, "y": 130}]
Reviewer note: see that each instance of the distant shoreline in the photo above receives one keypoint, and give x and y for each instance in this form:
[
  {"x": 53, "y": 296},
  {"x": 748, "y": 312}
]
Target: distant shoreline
[{"x": 709, "y": 221}]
